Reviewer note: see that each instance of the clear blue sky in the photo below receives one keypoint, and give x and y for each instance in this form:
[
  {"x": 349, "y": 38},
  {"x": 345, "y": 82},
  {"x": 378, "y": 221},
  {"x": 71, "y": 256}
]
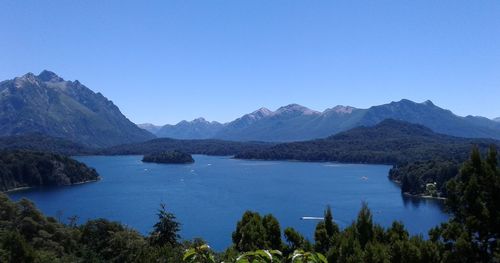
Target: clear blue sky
[{"x": 164, "y": 61}]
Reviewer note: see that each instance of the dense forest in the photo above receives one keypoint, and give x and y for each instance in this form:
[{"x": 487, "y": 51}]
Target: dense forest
[
  {"x": 471, "y": 234},
  {"x": 168, "y": 157},
  {"x": 43, "y": 143},
  {"x": 29, "y": 169},
  {"x": 207, "y": 147},
  {"x": 419, "y": 156}
]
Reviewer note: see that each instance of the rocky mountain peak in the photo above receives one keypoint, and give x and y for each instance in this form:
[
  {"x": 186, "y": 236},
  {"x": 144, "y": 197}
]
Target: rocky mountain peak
[
  {"x": 263, "y": 112},
  {"x": 342, "y": 109},
  {"x": 46, "y": 75},
  {"x": 295, "y": 108},
  {"x": 428, "y": 103},
  {"x": 200, "y": 120},
  {"x": 58, "y": 108}
]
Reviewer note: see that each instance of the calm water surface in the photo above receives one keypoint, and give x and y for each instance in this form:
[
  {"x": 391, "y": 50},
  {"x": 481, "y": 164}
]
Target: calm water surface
[{"x": 209, "y": 196}]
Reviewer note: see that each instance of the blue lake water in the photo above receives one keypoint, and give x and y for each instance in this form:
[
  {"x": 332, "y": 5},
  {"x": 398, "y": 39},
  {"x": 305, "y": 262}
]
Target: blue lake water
[{"x": 209, "y": 196}]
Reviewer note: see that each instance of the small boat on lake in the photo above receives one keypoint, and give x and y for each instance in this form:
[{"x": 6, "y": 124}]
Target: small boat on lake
[{"x": 312, "y": 218}]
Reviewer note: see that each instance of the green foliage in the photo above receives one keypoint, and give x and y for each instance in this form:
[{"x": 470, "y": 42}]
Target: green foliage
[
  {"x": 260, "y": 256},
  {"x": 364, "y": 225},
  {"x": 207, "y": 147},
  {"x": 43, "y": 143},
  {"x": 473, "y": 198},
  {"x": 273, "y": 232},
  {"x": 26, "y": 235},
  {"x": 168, "y": 157},
  {"x": 165, "y": 231},
  {"x": 28, "y": 169},
  {"x": 199, "y": 254},
  {"x": 325, "y": 232},
  {"x": 295, "y": 239},
  {"x": 321, "y": 238},
  {"x": 330, "y": 226},
  {"x": 254, "y": 232},
  {"x": 300, "y": 256}
]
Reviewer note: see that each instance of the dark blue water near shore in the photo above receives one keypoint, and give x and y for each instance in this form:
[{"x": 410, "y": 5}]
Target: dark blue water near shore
[{"x": 209, "y": 196}]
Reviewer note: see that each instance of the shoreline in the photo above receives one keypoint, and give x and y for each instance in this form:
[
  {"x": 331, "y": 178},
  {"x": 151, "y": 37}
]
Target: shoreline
[
  {"x": 425, "y": 196},
  {"x": 18, "y": 189},
  {"x": 38, "y": 186}
]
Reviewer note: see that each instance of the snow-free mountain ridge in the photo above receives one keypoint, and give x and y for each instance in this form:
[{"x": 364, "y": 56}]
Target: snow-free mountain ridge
[
  {"x": 295, "y": 122},
  {"x": 47, "y": 104}
]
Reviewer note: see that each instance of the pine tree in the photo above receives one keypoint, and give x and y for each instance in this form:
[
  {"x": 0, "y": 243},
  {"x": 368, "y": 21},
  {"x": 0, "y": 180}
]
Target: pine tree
[{"x": 166, "y": 230}]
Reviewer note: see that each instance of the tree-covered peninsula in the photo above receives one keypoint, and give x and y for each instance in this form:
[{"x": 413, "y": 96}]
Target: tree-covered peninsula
[
  {"x": 174, "y": 157},
  {"x": 423, "y": 161},
  {"x": 207, "y": 147},
  {"x": 19, "y": 169}
]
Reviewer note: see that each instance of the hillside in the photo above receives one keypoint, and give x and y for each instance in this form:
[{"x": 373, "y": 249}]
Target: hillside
[
  {"x": 417, "y": 153},
  {"x": 31, "y": 169},
  {"x": 43, "y": 143},
  {"x": 171, "y": 157},
  {"x": 388, "y": 142},
  {"x": 208, "y": 147},
  {"x": 49, "y": 105}
]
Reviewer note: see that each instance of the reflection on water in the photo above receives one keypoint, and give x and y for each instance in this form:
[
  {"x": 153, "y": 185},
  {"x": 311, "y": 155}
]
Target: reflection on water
[{"x": 416, "y": 202}]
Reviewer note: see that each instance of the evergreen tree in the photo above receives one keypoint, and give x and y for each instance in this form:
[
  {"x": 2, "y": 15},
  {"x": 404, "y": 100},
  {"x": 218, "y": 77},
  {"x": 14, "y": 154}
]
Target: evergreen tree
[
  {"x": 331, "y": 227},
  {"x": 473, "y": 232},
  {"x": 364, "y": 225},
  {"x": 273, "y": 232},
  {"x": 166, "y": 230},
  {"x": 321, "y": 238},
  {"x": 295, "y": 239},
  {"x": 250, "y": 233}
]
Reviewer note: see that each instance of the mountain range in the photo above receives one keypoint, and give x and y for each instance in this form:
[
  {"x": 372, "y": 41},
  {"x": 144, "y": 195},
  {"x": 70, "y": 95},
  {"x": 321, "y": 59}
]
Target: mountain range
[
  {"x": 295, "y": 123},
  {"x": 47, "y": 104},
  {"x": 198, "y": 128},
  {"x": 50, "y": 105}
]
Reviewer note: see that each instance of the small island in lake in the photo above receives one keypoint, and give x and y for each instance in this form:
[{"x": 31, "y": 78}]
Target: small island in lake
[{"x": 174, "y": 157}]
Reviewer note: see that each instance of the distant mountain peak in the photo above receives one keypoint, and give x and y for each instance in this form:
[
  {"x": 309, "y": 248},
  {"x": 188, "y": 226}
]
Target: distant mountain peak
[
  {"x": 342, "y": 109},
  {"x": 263, "y": 111},
  {"x": 258, "y": 114},
  {"x": 49, "y": 105},
  {"x": 29, "y": 77},
  {"x": 199, "y": 120},
  {"x": 47, "y": 75},
  {"x": 497, "y": 119},
  {"x": 295, "y": 108},
  {"x": 404, "y": 101},
  {"x": 428, "y": 103}
]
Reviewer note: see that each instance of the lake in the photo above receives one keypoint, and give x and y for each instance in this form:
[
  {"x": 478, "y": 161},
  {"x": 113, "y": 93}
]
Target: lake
[{"x": 209, "y": 196}]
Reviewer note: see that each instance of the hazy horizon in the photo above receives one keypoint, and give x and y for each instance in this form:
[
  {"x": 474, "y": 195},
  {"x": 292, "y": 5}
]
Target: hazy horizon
[{"x": 163, "y": 62}]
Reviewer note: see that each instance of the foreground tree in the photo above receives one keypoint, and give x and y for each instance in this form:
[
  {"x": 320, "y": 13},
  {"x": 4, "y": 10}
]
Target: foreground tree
[
  {"x": 325, "y": 232},
  {"x": 254, "y": 232},
  {"x": 473, "y": 232},
  {"x": 166, "y": 230},
  {"x": 199, "y": 254}
]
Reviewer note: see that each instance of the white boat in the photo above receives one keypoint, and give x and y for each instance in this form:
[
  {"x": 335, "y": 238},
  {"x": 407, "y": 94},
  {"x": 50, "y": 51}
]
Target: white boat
[{"x": 312, "y": 218}]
